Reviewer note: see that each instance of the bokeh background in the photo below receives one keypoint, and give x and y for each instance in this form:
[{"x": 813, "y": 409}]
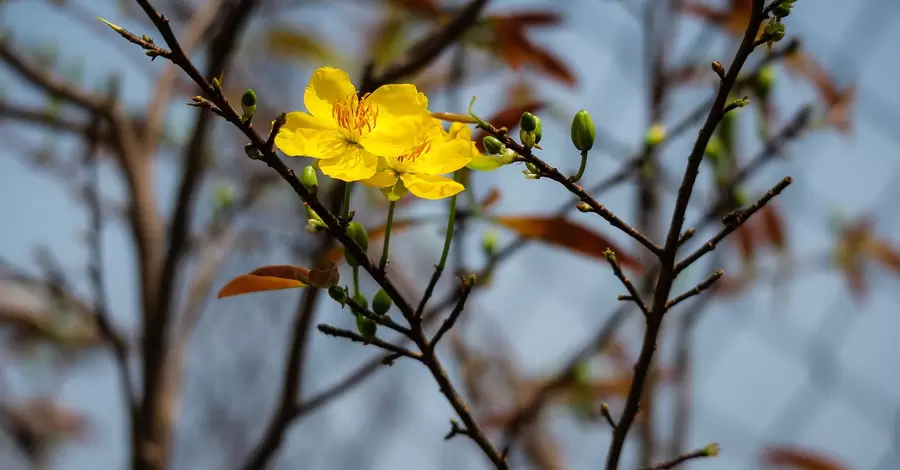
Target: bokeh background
[{"x": 795, "y": 359}]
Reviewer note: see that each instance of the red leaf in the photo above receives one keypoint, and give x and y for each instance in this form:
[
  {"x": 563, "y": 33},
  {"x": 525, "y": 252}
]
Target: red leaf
[
  {"x": 564, "y": 233},
  {"x": 265, "y": 279},
  {"x": 772, "y": 226},
  {"x": 800, "y": 459}
]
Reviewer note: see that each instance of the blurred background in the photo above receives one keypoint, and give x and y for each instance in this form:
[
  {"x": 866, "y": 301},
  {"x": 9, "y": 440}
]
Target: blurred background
[{"x": 785, "y": 364}]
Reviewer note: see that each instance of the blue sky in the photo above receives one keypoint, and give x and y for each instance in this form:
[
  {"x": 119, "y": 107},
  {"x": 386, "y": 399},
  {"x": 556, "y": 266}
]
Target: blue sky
[{"x": 753, "y": 385}]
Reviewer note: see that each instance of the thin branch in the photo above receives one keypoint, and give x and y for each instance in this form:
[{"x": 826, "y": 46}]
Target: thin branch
[
  {"x": 732, "y": 221},
  {"x": 706, "y": 284},
  {"x": 634, "y": 295},
  {"x": 709, "y": 451},
  {"x": 356, "y": 337},
  {"x": 468, "y": 284}
]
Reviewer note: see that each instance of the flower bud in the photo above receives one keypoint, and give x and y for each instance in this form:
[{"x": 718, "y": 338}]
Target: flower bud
[
  {"x": 361, "y": 300},
  {"x": 775, "y": 31},
  {"x": 338, "y": 293},
  {"x": 489, "y": 243},
  {"x": 309, "y": 179},
  {"x": 248, "y": 104},
  {"x": 583, "y": 132},
  {"x": 655, "y": 135},
  {"x": 217, "y": 85},
  {"x": 783, "y": 9},
  {"x": 492, "y": 145},
  {"x": 538, "y": 128},
  {"x": 358, "y": 234},
  {"x": 224, "y": 196},
  {"x": 711, "y": 450},
  {"x": 528, "y": 121},
  {"x": 366, "y": 327},
  {"x": 531, "y": 168},
  {"x": 527, "y": 137},
  {"x": 381, "y": 303}
]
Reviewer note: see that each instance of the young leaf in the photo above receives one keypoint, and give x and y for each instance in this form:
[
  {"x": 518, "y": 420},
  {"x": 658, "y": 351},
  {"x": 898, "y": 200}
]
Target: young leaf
[
  {"x": 564, "y": 233},
  {"x": 799, "y": 459},
  {"x": 265, "y": 279}
]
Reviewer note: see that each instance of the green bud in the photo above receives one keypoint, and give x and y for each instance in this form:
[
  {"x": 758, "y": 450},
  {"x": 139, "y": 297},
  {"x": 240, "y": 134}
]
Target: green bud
[
  {"x": 358, "y": 234},
  {"x": 361, "y": 300},
  {"x": 782, "y": 10},
  {"x": 338, "y": 293},
  {"x": 217, "y": 85},
  {"x": 381, "y": 303},
  {"x": 492, "y": 145},
  {"x": 583, "y": 132},
  {"x": 711, "y": 450},
  {"x": 309, "y": 179},
  {"x": 366, "y": 327},
  {"x": 531, "y": 168},
  {"x": 655, "y": 135},
  {"x": 251, "y": 152},
  {"x": 775, "y": 31},
  {"x": 224, "y": 195},
  {"x": 528, "y": 121},
  {"x": 527, "y": 137},
  {"x": 538, "y": 128},
  {"x": 489, "y": 243},
  {"x": 248, "y": 104}
]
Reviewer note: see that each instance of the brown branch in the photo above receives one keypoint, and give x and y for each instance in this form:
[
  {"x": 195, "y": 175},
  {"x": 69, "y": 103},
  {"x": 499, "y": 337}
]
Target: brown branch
[
  {"x": 52, "y": 121},
  {"x": 356, "y": 337},
  {"x": 667, "y": 258},
  {"x": 706, "y": 284},
  {"x": 634, "y": 295},
  {"x": 468, "y": 285},
  {"x": 709, "y": 451},
  {"x": 732, "y": 222}
]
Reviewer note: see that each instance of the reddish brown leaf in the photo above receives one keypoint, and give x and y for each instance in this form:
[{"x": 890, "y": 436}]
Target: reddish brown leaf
[
  {"x": 531, "y": 18},
  {"x": 851, "y": 244},
  {"x": 734, "y": 19},
  {"x": 839, "y": 102},
  {"x": 800, "y": 459},
  {"x": 559, "y": 231},
  {"x": 772, "y": 226},
  {"x": 324, "y": 274},
  {"x": 745, "y": 237},
  {"x": 265, "y": 279},
  {"x": 492, "y": 197},
  {"x": 513, "y": 47},
  {"x": 419, "y": 8},
  {"x": 885, "y": 254}
]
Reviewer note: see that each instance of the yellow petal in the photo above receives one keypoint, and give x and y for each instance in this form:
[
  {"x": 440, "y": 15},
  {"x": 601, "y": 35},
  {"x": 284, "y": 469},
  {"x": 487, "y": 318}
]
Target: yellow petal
[
  {"x": 444, "y": 157},
  {"x": 485, "y": 163},
  {"x": 327, "y": 86},
  {"x": 354, "y": 164},
  {"x": 398, "y": 101},
  {"x": 430, "y": 187},
  {"x": 382, "y": 179},
  {"x": 396, "y": 137},
  {"x": 459, "y": 130},
  {"x": 300, "y": 134}
]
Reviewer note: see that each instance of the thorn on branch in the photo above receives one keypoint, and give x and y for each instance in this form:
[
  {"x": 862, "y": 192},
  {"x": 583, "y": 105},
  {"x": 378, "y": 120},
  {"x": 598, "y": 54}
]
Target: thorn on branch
[{"x": 456, "y": 430}]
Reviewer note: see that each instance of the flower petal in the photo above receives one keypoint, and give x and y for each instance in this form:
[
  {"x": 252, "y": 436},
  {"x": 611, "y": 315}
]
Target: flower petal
[
  {"x": 430, "y": 187},
  {"x": 398, "y": 101},
  {"x": 300, "y": 134},
  {"x": 459, "y": 130},
  {"x": 444, "y": 157},
  {"x": 485, "y": 163},
  {"x": 354, "y": 164},
  {"x": 399, "y": 137},
  {"x": 327, "y": 86},
  {"x": 381, "y": 179}
]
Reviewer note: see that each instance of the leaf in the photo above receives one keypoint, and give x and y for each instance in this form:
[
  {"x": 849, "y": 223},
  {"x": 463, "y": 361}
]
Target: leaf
[
  {"x": 491, "y": 198},
  {"x": 324, "y": 274},
  {"x": 852, "y": 241},
  {"x": 287, "y": 43},
  {"x": 418, "y": 8},
  {"x": 838, "y": 102},
  {"x": 772, "y": 226},
  {"x": 512, "y": 46},
  {"x": 744, "y": 237},
  {"x": 799, "y": 459},
  {"x": 559, "y": 231},
  {"x": 265, "y": 279}
]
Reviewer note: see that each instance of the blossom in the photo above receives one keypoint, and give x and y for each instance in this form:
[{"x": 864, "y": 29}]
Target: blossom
[
  {"x": 347, "y": 133},
  {"x": 418, "y": 170}
]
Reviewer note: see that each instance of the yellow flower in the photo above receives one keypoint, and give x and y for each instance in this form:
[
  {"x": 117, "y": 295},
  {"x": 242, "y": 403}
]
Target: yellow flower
[
  {"x": 435, "y": 152},
  {"x": 347, "y": 133}
]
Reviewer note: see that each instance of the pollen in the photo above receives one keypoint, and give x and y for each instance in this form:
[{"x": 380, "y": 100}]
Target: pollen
[{"x": 356, "y": 115}]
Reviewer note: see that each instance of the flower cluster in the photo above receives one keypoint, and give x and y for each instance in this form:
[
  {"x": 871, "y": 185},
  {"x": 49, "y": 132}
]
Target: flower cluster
[{"x": 387, "y": 139}]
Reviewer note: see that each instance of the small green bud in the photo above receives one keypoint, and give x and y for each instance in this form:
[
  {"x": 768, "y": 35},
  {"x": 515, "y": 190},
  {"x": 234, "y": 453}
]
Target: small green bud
[
  {"x": 527, "y": 137},
  {"x": 775, "y": 31},
  {"x": 489, "y": 243},
  {"x": 381, "y": 303},
  {"x": 224, "y": 195},
  {"x": 531, "y": 168},
  {"x": 711, "y": 450},
  {"x": 765, "y": 80},
  {"x": 358, "y": 234},
  {"x": 338, "y": 293},
  {"x": 583, "y": 132},
  {"x": 217, "y": 85},
  {"x": 248, "y": 104},
  {"x": 741, "y": 102},
  {"x": 782, "y": 10},
  {"x": 508, "y": 156},
  {"x": 492, "y": 145},
  {"x": 366, "y": 327},
  {"x": 309, "y": 179},
  {"x": 655, "y": 135},
  {"x": 251, "y": 152},
  {"x": 528, "y": 121},
  {"x": 538, "y": 130}
]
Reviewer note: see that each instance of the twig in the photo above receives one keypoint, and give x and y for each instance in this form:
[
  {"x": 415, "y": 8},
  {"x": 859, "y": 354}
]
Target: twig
[
  {"x": 706, "y": 284},
  {"x": 356, "y": 337},
  {"x": 468, "y": 284},
  {"x": 709, "y": 451},
  {"x": 732, "y": 223},
  {"x": 634, "y": 295},
  {"x": 604, "y": 411}
]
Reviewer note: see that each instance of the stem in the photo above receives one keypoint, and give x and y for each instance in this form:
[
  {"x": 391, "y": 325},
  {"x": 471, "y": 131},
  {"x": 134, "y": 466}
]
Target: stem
[
  {"x": 387, "y": 238},
  {"x": 355, "y": 280},
  {"x": 584, "y": 154},
  {"x": 439, "y": 268},
  {"x": 345, "y": 209}
]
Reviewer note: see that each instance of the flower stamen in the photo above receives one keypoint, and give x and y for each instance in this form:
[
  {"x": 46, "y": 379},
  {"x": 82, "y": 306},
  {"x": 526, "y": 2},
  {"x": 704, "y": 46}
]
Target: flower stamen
[
  {"x": 355, "y": 114},
  {"x": 411, "y": 157}
]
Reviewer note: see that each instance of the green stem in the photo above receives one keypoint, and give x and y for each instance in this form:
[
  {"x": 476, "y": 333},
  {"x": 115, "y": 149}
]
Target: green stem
[
  {"x": 345, "y": 209},
  {"x": 356, "y": 280},
  {"x": 439, "y": 268},
  {"x": 387, "y": 237},
  {"x": 584, "y": 155}
]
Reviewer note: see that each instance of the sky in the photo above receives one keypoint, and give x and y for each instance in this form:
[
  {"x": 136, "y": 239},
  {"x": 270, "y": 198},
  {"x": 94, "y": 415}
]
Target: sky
[{"x": 811, "y": 368}]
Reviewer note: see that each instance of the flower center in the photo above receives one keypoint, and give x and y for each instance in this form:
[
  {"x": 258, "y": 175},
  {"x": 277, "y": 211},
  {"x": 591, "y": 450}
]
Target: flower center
[
  {"x": 355, "y": 115},
  {"x": 421, "y": 148}
]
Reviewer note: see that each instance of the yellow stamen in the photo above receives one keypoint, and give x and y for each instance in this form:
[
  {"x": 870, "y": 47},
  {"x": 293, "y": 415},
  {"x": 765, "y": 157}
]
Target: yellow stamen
[
  {"x": 424, "y": 147},
  {"x": 356, "y": 115}
]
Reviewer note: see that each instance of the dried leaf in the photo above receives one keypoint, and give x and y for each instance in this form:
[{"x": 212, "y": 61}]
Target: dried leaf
[
  {"x": 564, "y": 233},
  {"x": 265, "y": 279},
  {"x": 324, "y": 274},
  {"x": 289, "y": 43},
  {"x": 744, "y": 236},
  {"x": 491, "y": 198},
  {"x": 800, "y": 459},
  {"x": 511, "y": 45},
  {"x": 852, "y": 241},
  {"x": 772, "y": 226},
  {"x": 531, "y": 18},
  {"x": 882, "y": 252}
]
